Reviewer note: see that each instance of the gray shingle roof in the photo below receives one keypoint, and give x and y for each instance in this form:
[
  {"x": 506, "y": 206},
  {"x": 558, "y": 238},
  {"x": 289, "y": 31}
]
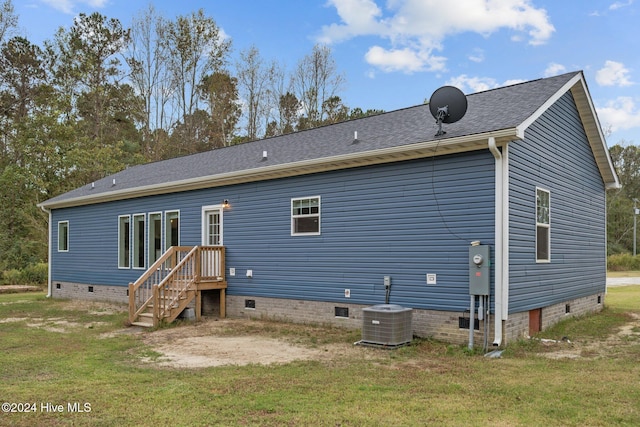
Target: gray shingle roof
[{"x": 489, "y": 111}]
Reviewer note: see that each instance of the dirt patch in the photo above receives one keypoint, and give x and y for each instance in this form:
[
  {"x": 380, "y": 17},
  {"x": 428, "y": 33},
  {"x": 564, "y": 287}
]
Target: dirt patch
[
  {"x": 627, "y": 336},
  {"x": 51, "y": 324},
  {"x": 213, "y": 343},
  {"x": 15, "y": 289}
]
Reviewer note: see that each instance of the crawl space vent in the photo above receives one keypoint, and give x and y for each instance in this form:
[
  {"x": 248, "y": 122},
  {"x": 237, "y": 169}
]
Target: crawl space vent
[{"x": 386, "y": 325}]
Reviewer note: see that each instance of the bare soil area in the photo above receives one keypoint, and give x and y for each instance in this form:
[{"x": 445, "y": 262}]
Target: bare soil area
[
  {"x": 213, "y": 342},
  {"x": 239, "y": 342},
  {"x": 627, "y": 336}
]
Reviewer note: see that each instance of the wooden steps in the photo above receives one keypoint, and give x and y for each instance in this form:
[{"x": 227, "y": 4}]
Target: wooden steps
[{"x": 174, "y": 281}]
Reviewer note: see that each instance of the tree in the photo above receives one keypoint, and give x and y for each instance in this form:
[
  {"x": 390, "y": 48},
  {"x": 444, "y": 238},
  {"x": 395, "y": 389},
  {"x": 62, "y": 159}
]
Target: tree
[
  {"x": 22, "y": 76},
  {"x": 316, "y": 80},
  {"x": 191, "y": 135},
  {"x": 198, "y": 49},
  {"x": 220, "y": 92},
  {"x": 103, "y": 111},
  {"x": 148, "y": 60},
  {"x": 334, "y": 110},
  {"x": 254, "y": 80},
  {"x": 32, "y": 158},
  {"x": 8, "y": 20},
  {"x": 94, "y": 42}
]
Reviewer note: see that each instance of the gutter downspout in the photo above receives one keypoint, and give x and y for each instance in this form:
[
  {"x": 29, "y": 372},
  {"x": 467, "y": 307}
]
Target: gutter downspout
[
  {"x": 47, "y": 211},
  {"x": 499, "y": 242}
]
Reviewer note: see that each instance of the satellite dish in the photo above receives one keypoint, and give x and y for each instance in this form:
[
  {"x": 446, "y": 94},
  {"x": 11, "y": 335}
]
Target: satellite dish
[{"x": 447, "y": 105}]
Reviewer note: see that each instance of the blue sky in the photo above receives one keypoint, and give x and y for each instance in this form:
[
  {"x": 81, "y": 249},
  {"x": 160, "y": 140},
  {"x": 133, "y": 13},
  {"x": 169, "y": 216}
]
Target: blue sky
[{"x": 395, "y": 53}]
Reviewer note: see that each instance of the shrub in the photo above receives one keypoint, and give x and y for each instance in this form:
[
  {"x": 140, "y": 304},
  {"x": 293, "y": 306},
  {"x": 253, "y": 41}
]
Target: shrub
[
  {"x": 623, "y": 262},
  {"x": 34, "y": 274},
  {"x": 12, "y": 277}
]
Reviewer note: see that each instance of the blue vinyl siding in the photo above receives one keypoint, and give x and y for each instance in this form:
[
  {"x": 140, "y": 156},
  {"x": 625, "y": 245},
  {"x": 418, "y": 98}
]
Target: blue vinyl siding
[
  {"x": 556, "y": 156},
  {"x": 375, "y": 221}
]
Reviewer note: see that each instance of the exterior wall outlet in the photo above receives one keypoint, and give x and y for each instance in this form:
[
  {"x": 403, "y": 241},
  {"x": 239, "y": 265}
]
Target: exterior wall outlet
[
  {"x": 249, "y": 273},
  {"x": 431, "y": 279},
  {"x": 232, "y": 271},
  {"x": 347, "y": 293}
]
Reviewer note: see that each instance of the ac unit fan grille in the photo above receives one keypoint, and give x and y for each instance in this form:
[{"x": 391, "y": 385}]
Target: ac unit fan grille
[{"x": 386, "y": 325}]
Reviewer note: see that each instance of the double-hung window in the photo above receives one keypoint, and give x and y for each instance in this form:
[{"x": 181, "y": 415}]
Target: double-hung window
[
  {"x": 63, "y": 236},
  {"x": 305, "y": 216},
  {"x": 543, "y": 225},
  {"x": 124, "y": 241},
  {"x": 139, "y": 241}
]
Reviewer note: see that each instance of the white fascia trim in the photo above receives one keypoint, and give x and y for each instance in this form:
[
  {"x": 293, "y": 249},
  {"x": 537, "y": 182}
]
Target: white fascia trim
[
  {"x": 615, "y": 184},
  {"x": 577, "y": 83},
  {"x": 385, "y": 155},
  {"x": 544, "y": 107}
]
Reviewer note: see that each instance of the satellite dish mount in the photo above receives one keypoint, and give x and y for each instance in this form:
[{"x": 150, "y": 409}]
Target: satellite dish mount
[{"x": 447, "y": 105}]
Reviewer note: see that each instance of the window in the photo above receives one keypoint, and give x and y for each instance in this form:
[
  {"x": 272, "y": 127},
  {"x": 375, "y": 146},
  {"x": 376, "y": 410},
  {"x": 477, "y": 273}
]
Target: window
[
  {"x": 543, "y": 240},
  {"x": 63, "y": 236},
  {"x": 155, "y": 237},
  {"x": 172, "y": 229},
  {"x": 124, "y": 241},
  {"x": 305, "y": 216},
  {"x": 139, "y": 241}
]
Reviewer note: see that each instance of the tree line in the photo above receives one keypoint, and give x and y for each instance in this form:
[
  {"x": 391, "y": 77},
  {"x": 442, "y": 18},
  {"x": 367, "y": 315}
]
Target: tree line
[
  {"x": 98, "y": 97},
  {"x": 620, "y": 203}
]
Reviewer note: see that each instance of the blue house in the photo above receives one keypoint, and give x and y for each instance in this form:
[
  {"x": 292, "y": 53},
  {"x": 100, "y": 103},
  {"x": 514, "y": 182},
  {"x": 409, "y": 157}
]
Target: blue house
[{"x": 310, "y": 226}]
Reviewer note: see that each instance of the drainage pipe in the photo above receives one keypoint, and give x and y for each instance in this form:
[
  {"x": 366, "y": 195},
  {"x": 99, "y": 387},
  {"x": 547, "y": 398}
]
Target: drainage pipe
[
  {"x": 499, "y": 244},
  {"x": 48, "y": 212}
]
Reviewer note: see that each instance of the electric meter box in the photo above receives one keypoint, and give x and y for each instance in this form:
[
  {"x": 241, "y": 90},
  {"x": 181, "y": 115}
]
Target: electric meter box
[{"x": 479, "y": 270}]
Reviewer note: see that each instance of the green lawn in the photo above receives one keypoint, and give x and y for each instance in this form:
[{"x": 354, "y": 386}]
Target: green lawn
[{"x": 51, "y": 354}]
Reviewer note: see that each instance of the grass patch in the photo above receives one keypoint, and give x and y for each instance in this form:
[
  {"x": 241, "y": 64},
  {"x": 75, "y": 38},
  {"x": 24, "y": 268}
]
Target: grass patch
[
  {"x": 426, "y": 383},
  {"x": 626, "y": 298}
]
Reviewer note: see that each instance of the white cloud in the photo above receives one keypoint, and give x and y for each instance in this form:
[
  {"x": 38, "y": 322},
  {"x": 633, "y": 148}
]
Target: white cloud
[
  {"x": 620, "y": 114},
  {"x": 613, "y": 74},
  {"x": 477, "y": 55},
  {"x": 554, "y": 69},
  {"x": 619, "y": 5},
  {"x": 67, "y": 6},
  {"x": 406, "y": 60},
  {"x": 415, "y": 29},
  {"x": 469, "y": 84}
]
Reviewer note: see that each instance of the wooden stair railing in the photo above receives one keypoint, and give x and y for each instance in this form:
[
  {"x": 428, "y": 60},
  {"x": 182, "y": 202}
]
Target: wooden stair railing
[
  {"x": 173, "y": 281},
  {"x": 142, "y": 292}
]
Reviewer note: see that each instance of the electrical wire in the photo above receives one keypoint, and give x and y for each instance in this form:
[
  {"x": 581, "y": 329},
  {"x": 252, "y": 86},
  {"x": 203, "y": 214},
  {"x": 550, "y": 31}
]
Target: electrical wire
[{"x": 435, "y": 197}]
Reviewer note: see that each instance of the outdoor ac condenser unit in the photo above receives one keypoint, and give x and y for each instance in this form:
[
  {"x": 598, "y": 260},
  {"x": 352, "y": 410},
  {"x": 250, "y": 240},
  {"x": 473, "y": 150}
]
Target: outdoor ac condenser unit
[{"x": 386, "y": 325}]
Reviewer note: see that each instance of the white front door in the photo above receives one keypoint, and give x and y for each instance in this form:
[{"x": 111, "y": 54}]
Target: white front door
[
  {"x": 211, "y": 236},
  {"x": 212, "y": 226}
]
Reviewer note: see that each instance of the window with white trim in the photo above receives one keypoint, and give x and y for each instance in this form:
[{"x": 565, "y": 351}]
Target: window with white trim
[
  {"x": 124, "y": 241},
  {"x": 172, "y": 229},
  {"x": 63, "y": 236},
  {"x": 543, "y": 225},
  {"x": 139, "y": 240},
  {"x": 155, "y": 236},
  {"x": 305, "y": 216}
]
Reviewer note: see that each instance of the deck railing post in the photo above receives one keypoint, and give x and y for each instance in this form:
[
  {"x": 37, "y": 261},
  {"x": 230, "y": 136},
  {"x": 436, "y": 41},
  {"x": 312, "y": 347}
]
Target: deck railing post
[
  {"x": 222, "y": 271},
  {"x": 198, "y": 268},
  {"x": 156, "y": 305},
  {"x": 132, "y": 303}
]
